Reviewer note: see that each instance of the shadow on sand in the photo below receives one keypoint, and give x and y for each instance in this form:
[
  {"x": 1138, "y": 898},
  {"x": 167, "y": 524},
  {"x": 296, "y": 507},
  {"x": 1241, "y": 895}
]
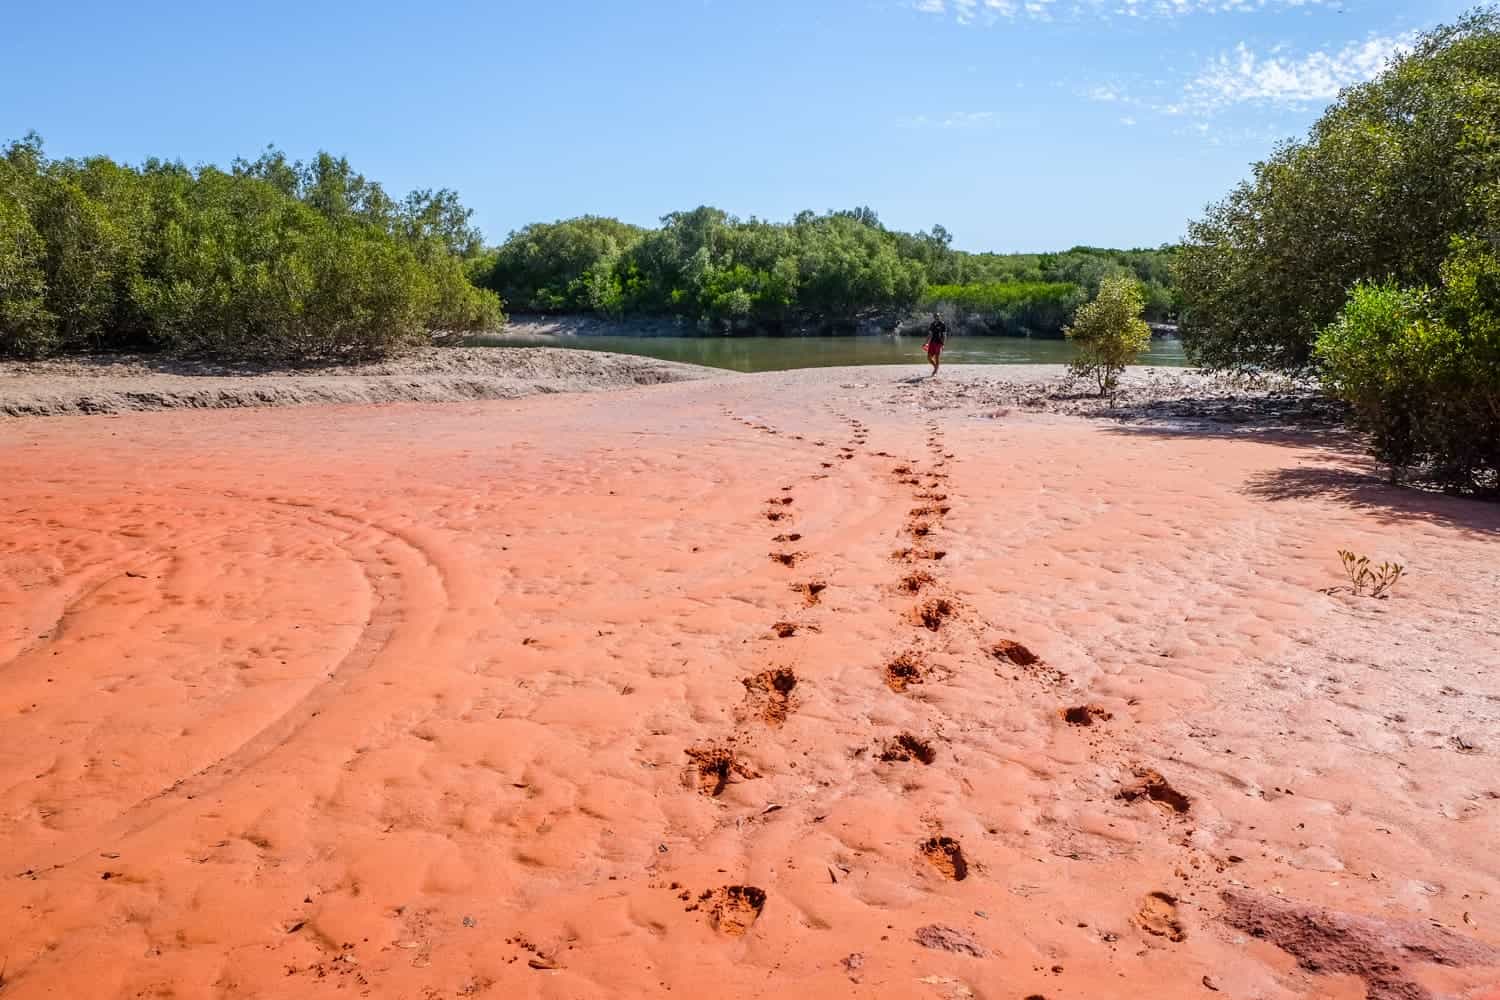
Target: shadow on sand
[{"x": 1339, "y": 471}]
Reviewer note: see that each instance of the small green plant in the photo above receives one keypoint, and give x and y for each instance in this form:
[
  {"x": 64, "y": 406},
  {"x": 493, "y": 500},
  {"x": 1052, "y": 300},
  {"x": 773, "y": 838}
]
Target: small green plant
[
  {"x": 1109, "y": 332},
  {"x": 1377, "y": 580}
]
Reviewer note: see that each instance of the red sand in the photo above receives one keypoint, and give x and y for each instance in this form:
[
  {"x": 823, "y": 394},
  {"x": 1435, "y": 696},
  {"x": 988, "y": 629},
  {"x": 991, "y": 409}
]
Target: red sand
[{"x": 400, "y": 701}]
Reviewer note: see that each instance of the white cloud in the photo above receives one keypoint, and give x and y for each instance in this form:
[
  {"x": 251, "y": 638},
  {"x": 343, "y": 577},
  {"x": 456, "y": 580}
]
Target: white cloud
[
  {"x": 1244, "y": 76},
  {"x": 1127, "y": 120}
]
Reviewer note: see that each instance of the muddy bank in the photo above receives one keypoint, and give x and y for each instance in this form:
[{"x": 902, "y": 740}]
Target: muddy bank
[{"x": 119, "y": 384}]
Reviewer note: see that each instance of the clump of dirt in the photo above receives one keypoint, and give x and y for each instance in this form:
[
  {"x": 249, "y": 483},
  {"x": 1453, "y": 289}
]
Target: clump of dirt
[
  {"x": 1152, "y": 786},
  {"x": 933, "y": 613},
  {"x": 949, "y": 939},
  {"x": 1085, "y": 715},
  {"x": 714, "y": 763},
  {"x": 810, "y": 591},
  {"x": 914, "y": 555},
  {"x": 944, "y": 854},
  {"x": 1158, "y": 915},
  {"x": 784, "y": 501},
  {"x": 733, "y": 908},
  {"x": 913, "y": 583},
  {"x": 793, "y": 537},
  {"x": 787, "y": 559},
  {"x": 785, "y": 630},
  {"x": 769, "y": 694},
  {"x": 935, "y": 497},
  {"x": 1382, "y": 952},
  {"x": 775, "y": 515},
  {"x": 903, "y": 671},
  {"x": 919, "y": 529},
  {"x": 907, "y": 747}
]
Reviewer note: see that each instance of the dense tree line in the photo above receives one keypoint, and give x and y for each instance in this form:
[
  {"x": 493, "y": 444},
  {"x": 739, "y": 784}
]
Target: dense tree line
[
  {"x": 820, "y": 271},
  {"x": 1367, "y": 253},
  {"x": 271, "y": 259}
]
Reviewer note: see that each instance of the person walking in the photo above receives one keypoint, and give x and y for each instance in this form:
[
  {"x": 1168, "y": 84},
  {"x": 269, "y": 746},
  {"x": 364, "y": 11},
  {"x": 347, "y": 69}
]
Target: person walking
[{"x": 937, "y": 336}]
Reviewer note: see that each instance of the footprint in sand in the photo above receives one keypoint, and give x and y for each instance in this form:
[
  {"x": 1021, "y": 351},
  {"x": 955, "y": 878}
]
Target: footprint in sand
[
  {"x": 787, "y": 559},
  {"x": 904, "y": 671},
  {"x": 945, "y": 854},
  {"x": 712, "y": 766},
  {"x": 1084, "y": 715},
  {"x": 1013, "y": 652},
  {"x": 1151, "y": 786},
  {"x": 1158, "y": 915},
  {"x": 913, "y": 582},
  {"x": 811, "y": 591},
  {"x": 905, "y": 748},
  {"x": 732, "y": 909},
  {"x": 768, "y": 695},
  {"x": 931, "y": 614},
  {"x": 793, "y": 537}
]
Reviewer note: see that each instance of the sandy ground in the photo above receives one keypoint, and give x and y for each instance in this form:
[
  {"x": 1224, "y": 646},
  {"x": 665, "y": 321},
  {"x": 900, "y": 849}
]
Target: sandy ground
[
  {"x": 667, "y": 690},
  {"x": 121, "y": 384}
]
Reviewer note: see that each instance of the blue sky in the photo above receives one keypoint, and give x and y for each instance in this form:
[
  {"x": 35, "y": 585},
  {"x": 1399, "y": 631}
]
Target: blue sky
[{"x": 1017, "y": 124}]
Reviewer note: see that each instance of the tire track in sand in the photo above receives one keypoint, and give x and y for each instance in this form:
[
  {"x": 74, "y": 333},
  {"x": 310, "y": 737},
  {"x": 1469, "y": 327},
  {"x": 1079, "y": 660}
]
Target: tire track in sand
[{"x": 393, "y": 568}]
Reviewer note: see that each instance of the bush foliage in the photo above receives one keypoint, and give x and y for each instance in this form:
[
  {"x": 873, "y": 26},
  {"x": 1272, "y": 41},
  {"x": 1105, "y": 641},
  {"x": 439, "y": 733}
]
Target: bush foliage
[
  {"x": 1368, "y": 253},
  {"x": 830, "y": 270},
  {"x": 1421, "y": 367},
  {"x": 1384, "y": 181},
  {"x": 1109, "y": 332},
  {"x": 271, "y": 259}
]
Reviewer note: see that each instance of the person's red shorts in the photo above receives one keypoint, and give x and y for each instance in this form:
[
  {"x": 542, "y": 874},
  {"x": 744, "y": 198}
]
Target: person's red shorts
[{"x": 933, "y": 350}]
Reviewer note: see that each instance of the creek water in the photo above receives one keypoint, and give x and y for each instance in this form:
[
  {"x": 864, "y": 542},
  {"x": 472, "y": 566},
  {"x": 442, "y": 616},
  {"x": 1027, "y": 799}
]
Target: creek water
[{"x": 760, "y": 354}]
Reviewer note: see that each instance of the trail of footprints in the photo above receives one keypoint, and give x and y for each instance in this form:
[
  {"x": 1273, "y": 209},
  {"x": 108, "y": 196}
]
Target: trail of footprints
[{"x": 770, "y": 696}]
